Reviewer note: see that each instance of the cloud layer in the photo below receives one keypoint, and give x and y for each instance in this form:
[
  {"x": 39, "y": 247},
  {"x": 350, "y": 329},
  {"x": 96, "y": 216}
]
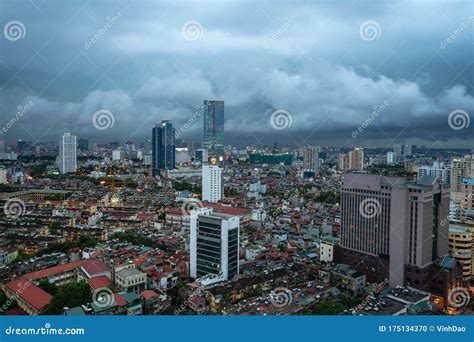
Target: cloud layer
[{"x": 146, "y": 62}]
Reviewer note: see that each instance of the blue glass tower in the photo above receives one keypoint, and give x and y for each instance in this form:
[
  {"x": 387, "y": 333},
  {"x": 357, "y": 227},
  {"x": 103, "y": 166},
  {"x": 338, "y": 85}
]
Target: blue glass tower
[
  {"x": 163, "y": 147},
  {"x": 213, "y": 140}
]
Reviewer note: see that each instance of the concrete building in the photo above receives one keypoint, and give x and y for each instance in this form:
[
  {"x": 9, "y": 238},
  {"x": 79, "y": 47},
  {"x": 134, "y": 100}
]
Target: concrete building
[
  {"x": 461, "y": 247},
  {"x": 354, "y": 160},
  {"x": 130, "y": 279},
  {"x": 117, "y": 154},
  {"x": 391, "y": 157},
  {"x": 311, "y": 158},
  {"x": 67, "y": 153},
  {"x": 467, "y": 201},
  {"x": 394, "y": 229},
  {"x": 3, "y": 175},
  {"x": 461, "y": 168},
  {"x": 212, "y": 187},
  {"x": 438, "y": 169},
  {"x": 214, "y": 244}
]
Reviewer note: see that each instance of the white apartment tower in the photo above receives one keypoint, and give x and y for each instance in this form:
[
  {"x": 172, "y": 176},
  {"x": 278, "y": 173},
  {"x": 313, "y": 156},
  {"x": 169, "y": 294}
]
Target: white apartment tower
[
  {"x": 311, "y": 158},
  {"x": 214, "y": 244},
  {"x": 67, "y": 153},
  {"x": 212, "y": 187}
]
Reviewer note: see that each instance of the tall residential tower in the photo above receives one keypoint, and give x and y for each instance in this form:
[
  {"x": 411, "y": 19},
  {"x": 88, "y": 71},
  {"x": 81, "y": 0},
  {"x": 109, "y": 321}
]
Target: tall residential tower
[{"x": 67, "y": 153}]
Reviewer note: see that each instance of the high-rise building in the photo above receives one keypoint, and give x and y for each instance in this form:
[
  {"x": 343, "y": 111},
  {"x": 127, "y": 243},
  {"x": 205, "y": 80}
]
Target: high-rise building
[
  {"x": 461, "y": 247},
  {"x": 68, "y": 153},
  {"x": 212, "y": 187},
  {"x": 213, "y": 140},
  {"x": 437, "y": 169},
  {"x": 391, "y": 158},
  {"x": 394, "y": 229},
  {"x": 356, "y": 159},
  {"x": 83, "y": 144},
  {"x": 407, "y": 150},
  {"x": 200, "y": 156},
  {"x": 467, "y": 201},
  {"x": 343, "y": 161},
  {"x": 461, "y": 168},
  {"x": 311, "y": 158},
  {"x": 2, "y": 144},
  {"x": 214, "y": 244},
  {"x": 3, "y": 175},
  {"x": 398, "y": 150},
  {"x": 163, "y": 147}
]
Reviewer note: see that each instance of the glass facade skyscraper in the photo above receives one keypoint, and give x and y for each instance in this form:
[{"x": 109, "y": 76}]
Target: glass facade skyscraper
[
  {"x": 213, "y": 140},
  {"x": 163, "y": 147}
]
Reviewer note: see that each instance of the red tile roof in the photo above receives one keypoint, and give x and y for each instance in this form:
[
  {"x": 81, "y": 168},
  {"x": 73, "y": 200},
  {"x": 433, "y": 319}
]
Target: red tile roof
[
  {"x": 47, "y": 272},
  {"x": 98, "y": 282},
  {"x": 228, "y": 210},
  {"x": 147, "y": 294},
  {"x": 30, "y": 293},
  {"x": 94, "y": 267},
  {"x": 119, "y": 300}
]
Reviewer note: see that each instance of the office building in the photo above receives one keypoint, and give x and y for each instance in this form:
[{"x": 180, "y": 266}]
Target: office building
[
  {"x": 391, "y": 157},
  {"x": 83, "y": 144},
  {"x": 200, "y": 156},
  {"x": 311, "y": 158},
  {"x": 391, "y": 228},
  {"x": 67, "y": 153},
  {"x": 213, "y": 140},
  {"x": 212, "y": 187},
  {"x": 163, "y": 147},
  {"x": 214, "y": 244},
  {"x": 438, "y": 169}
]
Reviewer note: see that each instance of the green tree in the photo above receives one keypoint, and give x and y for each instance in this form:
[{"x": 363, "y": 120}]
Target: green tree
[{"x": 69, "y": 295}]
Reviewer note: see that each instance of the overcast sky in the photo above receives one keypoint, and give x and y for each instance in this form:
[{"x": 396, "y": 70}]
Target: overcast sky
[{"x": 325, "y": 65}]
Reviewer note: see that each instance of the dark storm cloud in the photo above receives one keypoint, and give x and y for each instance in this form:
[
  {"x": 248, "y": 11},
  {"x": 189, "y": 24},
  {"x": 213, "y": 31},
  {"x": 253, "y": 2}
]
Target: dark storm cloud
[{"x": 310, "y": 59}]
